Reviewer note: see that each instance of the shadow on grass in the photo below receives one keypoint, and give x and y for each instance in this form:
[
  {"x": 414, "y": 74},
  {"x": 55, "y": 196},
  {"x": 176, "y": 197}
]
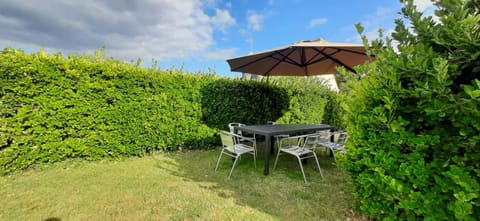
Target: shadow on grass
[
  {"x": 52, "y": 219},
  {"x": 282, "y": 194}
]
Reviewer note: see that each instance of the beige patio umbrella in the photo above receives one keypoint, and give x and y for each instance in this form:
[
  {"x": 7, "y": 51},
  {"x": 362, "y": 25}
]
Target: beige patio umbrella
[{"x": 304, "y": 58}]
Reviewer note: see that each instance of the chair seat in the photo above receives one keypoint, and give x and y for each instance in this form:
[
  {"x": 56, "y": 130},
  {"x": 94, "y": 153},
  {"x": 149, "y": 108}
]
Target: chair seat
[
  {"x": 239, "y": 149},
  {"x": 296, "y": 150},
  {"x": 302, "y": 147},
  {"x": 249, "y": 139},
  {"x": 332, "y": 145},
  {"x": 335, "y": 147}
]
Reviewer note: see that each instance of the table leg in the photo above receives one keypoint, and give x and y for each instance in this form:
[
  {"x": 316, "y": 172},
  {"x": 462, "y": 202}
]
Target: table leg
[
  {"x": 272, "y": 145},
  {"x": 268, "y": 148}
]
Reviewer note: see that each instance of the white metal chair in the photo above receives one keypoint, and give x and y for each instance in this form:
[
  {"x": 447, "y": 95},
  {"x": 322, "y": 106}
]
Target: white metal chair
[
  {"x": 232, "y": 126},
  {"x": 243, "y": 138},
  {"x": 325, "y": 137},
  {"x": 302, "y": 147},
  {"x": 232, "y": 147},
  {"x": 335, "y": 146}
]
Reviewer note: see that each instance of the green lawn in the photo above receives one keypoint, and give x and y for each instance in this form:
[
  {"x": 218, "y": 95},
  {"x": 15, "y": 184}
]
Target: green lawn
[{"x": 176, "y": 186}]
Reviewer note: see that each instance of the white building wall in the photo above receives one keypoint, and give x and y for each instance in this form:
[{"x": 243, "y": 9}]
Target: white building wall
[{"x": 329, "y": 81}]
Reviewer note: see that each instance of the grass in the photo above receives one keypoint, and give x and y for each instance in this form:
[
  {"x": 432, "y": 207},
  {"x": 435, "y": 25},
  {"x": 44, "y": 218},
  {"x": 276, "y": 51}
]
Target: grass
[{"x": 176, "y": 186}]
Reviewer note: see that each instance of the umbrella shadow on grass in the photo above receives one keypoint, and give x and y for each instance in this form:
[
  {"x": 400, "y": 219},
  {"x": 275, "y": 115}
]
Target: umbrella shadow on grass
[{"x": 282, "y": 194}]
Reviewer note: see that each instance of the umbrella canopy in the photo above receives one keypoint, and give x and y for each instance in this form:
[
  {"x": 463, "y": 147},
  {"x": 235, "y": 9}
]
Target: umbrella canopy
[{"x": 303, "y": 58}]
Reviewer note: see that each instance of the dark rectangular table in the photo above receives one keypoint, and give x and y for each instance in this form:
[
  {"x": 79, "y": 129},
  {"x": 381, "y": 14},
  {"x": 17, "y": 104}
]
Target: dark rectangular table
[{"x": 269, "y": 131}]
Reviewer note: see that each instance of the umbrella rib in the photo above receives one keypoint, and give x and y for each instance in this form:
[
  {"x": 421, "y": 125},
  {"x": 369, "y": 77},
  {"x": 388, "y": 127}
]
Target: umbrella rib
[
  {"x": 286, "y": 58},
  {"x": 280, "y": 60},
  {"x": 249, "y": 63},
  {"x": 311, "y": 61},
  {"x": 256, "y": 60},
  {"x": 328, "y": 56},
  {"x": 313, "y": 58},
  {"x": 269, "y": 56}
]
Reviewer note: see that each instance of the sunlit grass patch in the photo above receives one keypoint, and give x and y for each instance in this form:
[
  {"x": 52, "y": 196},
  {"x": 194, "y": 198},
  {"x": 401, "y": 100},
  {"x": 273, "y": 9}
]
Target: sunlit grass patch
[{"x": 176, "y": 186}]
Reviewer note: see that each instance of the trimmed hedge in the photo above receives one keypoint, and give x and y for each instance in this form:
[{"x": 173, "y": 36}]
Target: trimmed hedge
[
  {"x": 414, "y": 120},
  {"x": 54, "y": 107},
  {"x": 308, "y": 99},
  {"x": 281, "y": 99},
  {"x": 248, "y": 102}
]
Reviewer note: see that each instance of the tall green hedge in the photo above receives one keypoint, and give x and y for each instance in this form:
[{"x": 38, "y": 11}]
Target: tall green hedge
[
  {"x": 54, "y": 107},
  {"x": 414, "y": 119},
  {"x": 248, "y": 102},
  {"x": 281, "y": 99},
  {"x": 308, "y": 99}
]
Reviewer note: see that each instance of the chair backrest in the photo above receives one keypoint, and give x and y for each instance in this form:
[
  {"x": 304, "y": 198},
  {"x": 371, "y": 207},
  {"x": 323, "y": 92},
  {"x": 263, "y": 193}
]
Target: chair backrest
[
  {"x": 232, "y": 126},
  {"x": 227, "y": 139},
  {"x": 342, "y": 137},
  {"x": 324, "y": 136},
  {"x": 285, "y": 141},
  {"x": 311, "y": 141}
]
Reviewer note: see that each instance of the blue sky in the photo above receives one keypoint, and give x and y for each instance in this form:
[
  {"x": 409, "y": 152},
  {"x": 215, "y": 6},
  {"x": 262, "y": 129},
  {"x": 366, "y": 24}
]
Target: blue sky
[{"x": 199, "y": 35}]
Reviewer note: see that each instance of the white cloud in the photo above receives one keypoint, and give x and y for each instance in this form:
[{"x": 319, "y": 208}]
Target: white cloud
[
  {"x": 219, "y": 54},
  {"x": 243, "y": 32},
  {"x": 317, "y": 21},
  {"x": 381, "y": 18},
  {"x": 381, "y": 11},
  {"x": 255, "y": 21},
  {"x": 271, "y": 2},
  {"x": 373, "y": 33},
  {"x": 222, "y": 19},
  {"x": 423, "y": 5},
  {"x": 427, "y": 8},
  {"x": 160, "y": 29}
]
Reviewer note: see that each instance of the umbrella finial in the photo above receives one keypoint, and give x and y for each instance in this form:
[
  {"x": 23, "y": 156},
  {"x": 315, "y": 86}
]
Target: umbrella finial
[{"x": 320, "y": 40}]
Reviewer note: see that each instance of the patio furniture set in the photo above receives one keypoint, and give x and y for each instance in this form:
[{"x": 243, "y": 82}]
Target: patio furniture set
[
  {"x": 298, "y": 140},
  {"x": 304, "y": 58}
]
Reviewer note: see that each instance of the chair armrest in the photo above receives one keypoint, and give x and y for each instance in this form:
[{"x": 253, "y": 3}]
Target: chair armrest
[{"x": 239, "y": 138}]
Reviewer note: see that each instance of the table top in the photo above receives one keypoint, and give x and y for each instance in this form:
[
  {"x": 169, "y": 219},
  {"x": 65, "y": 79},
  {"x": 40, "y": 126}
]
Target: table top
[{"x": 277, "y": 129}]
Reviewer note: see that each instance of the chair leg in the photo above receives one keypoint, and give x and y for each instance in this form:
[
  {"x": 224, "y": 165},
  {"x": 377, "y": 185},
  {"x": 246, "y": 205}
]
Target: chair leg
[
  {"x": 301, "y": 168},
  {"x": 318, "y": 164},
  {"x": 255, "y": 144},
  {"x": 333, "y": 154},
  {"x": 233, "y": 167},
  {"x": 218, "y": 161},
  {"x": 255, "y": 159},
  {"x": 276, "y": 159}
]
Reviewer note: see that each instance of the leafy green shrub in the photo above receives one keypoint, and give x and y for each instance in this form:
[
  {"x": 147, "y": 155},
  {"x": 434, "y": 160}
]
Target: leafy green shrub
[
  {"x": 281, "y": 99},
  {"x": 249, "y": 102},
  {"x": 308, "y": 99},
  {"x": 334, "y": 112},
  {"x": 414, "y": 119}
]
